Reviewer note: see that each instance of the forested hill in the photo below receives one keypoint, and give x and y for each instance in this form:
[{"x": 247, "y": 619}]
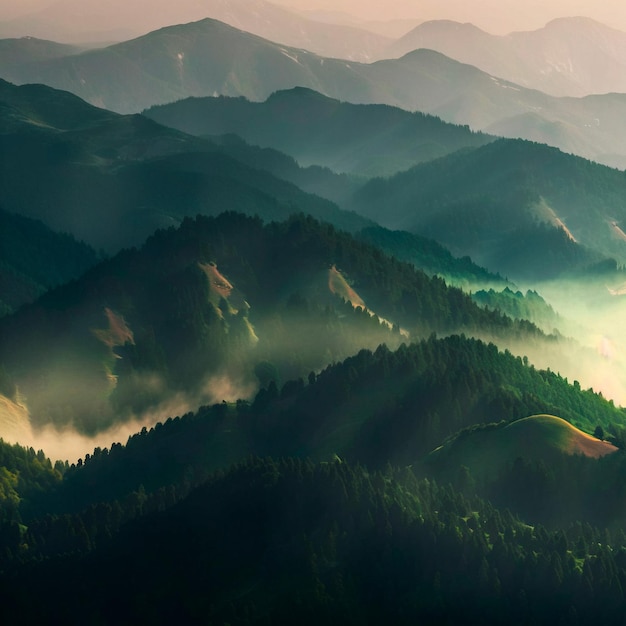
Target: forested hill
[
  {"x": 282, "y": 541},
  {"x": 219, "y": 297},
  {"x": 432, "y": 258},
  {"x": 369, "y": 140},
  {"x": 522, "y": 208},
  {"x": 266, "y": 536},
  {"x": 112, "y": 180},
  {"x": 34, "y": 258},
  {"x": 374, "y": 408}
]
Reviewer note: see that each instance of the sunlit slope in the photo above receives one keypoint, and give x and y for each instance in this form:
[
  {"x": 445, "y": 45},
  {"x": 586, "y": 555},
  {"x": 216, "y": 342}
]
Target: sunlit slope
[
  {"x": 535, "y": 438},
  {"x": 209, "y": 311},
  {"x": 14, "y": 421}
]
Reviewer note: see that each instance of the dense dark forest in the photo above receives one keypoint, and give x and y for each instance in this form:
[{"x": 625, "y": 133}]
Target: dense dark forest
[
  {"x": 276, "y": 541},
  {"x": 34, "y": 259},
  {"x": 161, "y": 320},
  {"x": 319, "y": 501}
]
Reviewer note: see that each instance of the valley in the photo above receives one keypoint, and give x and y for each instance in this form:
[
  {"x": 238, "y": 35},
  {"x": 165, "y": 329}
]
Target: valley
[{"x": 310, "y": 317}]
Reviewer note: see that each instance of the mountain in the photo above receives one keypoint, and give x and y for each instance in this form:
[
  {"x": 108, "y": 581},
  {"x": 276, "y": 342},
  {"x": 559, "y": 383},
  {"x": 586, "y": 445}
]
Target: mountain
[
  {"x": 374, "y": 408},
  {"x": 34, "y": 259},
  {"x": 80, "y": 22},
  {"x": 367, "y": 140},
  {"x": 209, "y": 58},
  {"x": 211, "y": 310},
  {"x": 283, "y": 534},
  {"x": 572, "y": 56},
  {"x": 523, "y": 209},
  {"x": 112, "y": 180},
  {"x": 15, "y": 53}
]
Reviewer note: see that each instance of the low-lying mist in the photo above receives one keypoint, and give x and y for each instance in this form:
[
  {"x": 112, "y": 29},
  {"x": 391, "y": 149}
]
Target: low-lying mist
[
  {"x": 291, "y": 344},
  {"x": 592, "y": 314},
  {"x": 67, "y": 443}
]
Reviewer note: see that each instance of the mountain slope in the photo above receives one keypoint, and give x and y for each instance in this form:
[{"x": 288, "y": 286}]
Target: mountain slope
[
  {"x": 34, "y": 259},
  {"x": 76, "y": 21},
  {"x": 572, "y": 56},
  {"x": 209, "y": 58},
  {"x": 279, "y": 540},
  {"x": 210, "y": 308},
  {"x": 367, "y": 140},
  {"x": 112, "y": 180},
  {"x": 521, "y": 208}
]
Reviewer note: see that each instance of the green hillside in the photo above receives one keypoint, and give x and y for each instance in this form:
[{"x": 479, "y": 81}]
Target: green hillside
[
  {"x": 112, "y": 180},
  {"x": 524, "y": 209},
  {"x": 432, "y": 258},
  {"x": 485, "y": 451},
  {"x": 34, "y": 259},
  {"x": 147, "y": 323},
  {"x": 368, "y": 140}
]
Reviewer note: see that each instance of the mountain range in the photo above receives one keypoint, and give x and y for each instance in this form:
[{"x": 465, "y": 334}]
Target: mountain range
[
  {"x": 209, "y": 58},
  {"x": 524, "y": 208},
  {"x": 78, "y": 22},
  {"x": 111, "y": 180},
  {"x": 286, "y": 346},
  {"x": 201, "y": 311},
  {"x": 568, "y": 57},
  {"x": 367, "y": 140},
  {"x": 566, "y": 210},
  {"x": 571, "y": 56}
]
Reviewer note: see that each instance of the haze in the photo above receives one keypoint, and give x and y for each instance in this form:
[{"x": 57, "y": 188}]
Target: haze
[{"x": 496, "y": 16}]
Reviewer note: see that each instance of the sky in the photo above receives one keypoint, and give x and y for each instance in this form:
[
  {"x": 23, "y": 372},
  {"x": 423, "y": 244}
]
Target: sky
[{"x": 496, "y": 16}]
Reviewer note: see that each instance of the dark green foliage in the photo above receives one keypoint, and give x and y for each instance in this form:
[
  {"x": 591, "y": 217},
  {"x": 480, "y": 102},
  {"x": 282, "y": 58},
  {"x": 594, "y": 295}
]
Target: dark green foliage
[
  {"x": 155, "y": 309},
  {"x": 431, "y": 257},
  {"x": 282, "y": 541},
  {"x": 34, "y": 259},
  {"x": 530, "y": 306},
  {"x": 25, "y": 476},
  {"x": 501, "y": 203},
  {"x": 157, "y": 531},
  {"x": 368, "y": 140}
]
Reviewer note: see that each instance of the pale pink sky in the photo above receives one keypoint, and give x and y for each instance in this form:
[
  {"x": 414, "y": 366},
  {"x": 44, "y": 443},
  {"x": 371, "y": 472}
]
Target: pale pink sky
[{"x": 497, "y": 16}]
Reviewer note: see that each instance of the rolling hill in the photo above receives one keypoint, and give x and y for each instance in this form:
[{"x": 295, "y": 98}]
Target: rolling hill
[{"x": 536, "y": 438}]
